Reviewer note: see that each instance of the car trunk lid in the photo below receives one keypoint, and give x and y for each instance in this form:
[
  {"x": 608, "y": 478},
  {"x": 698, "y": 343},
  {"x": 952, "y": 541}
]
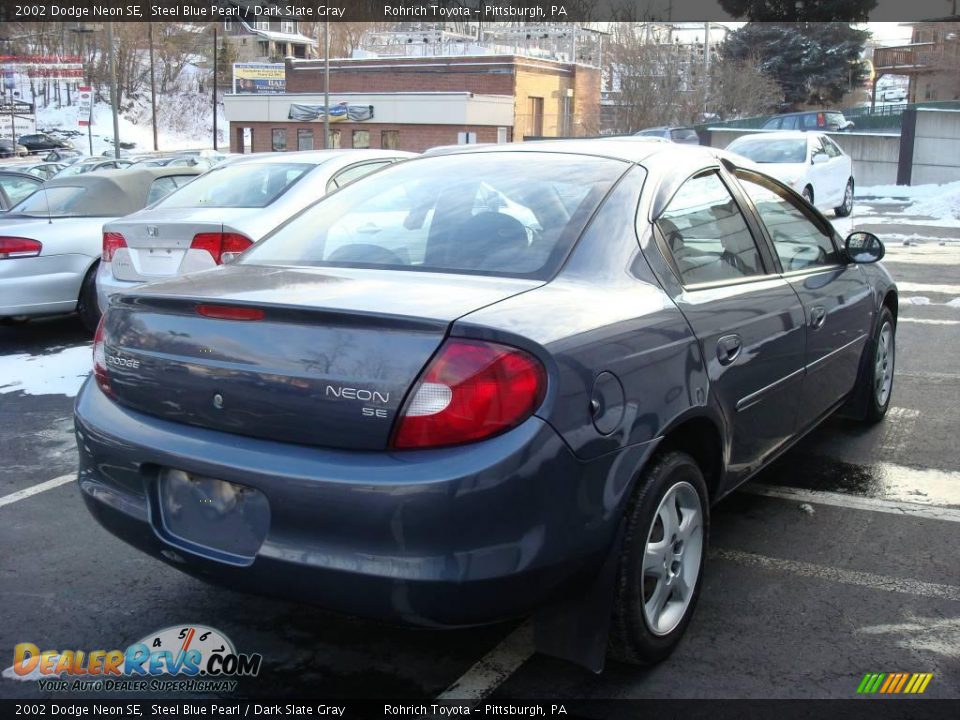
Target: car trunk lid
[
  {"x": 158, "y": 243},
  {"x": 327, "y": 361}
]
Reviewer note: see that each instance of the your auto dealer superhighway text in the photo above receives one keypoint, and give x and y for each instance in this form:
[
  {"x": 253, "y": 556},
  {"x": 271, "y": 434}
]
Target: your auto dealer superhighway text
[{"x": 191, "y": 710}]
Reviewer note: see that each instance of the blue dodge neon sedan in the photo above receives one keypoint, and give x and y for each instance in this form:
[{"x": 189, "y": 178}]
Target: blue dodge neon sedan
[{"x": 487, "y": 383}]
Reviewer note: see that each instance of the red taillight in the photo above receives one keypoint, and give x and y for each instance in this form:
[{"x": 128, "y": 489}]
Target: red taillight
[
  {"x": 224, "y": 247},
  {"x": 471, "y": 390},
  {"x": 112, "y": 241},
  {"x": 230, "y": 312},
  {"x": 18, "y": 247},
  {"x": 100, "y": 360}
]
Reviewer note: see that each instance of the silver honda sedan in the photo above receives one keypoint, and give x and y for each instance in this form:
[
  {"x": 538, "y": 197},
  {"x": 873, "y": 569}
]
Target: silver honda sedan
[{"x": 222, "y": 213}]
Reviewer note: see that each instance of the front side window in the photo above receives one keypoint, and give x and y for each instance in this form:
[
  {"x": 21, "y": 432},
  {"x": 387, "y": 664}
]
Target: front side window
[
  {"x": 707, "y": 235},
  {"x": 505, "y": 214},
  {"x": 238, "y": 185},
  {"x": 800, "y": 241},
  {"x": 279, "y": 140}
]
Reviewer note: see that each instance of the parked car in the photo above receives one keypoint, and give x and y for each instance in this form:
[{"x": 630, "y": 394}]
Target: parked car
[
  {"x": 223, "y": 213},
  {"x": 685, "y": 135},
  {"x": 9, "y": 149},
  {"x": 811, "y": 163},
  {"x": 823, "y": 120},
  {"x": 93, "y": 165},
  {"x": 503, "y": 419},
  {"x": 35, "y": 142},
  {"x": 45, "y": 170},
  {"x": 50, "y": 242},
  {"x": 15, "y": 185},
  {"x": 892, "y": 94}
]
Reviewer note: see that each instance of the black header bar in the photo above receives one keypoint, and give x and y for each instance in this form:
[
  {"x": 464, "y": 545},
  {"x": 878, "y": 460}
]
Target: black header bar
[{"x": 535, "y": 11}]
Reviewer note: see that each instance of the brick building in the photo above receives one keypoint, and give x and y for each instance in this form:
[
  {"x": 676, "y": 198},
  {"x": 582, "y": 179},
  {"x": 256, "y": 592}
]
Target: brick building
[{"x": 418, "y": 102}]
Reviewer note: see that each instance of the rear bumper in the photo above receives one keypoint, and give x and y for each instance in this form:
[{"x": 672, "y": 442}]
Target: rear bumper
[
  {"x": 44, "y": 285},
  {"x": 107, "y": 285},
  {"x": 449, "y": 537}
]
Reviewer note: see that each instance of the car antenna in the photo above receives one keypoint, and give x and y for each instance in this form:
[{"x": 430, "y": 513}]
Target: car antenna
[{"x": 46, "y": 199}]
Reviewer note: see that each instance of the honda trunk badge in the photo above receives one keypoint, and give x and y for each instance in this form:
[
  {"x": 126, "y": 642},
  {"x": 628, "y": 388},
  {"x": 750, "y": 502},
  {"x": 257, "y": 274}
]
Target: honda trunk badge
[{"x": 218, "y": 401}]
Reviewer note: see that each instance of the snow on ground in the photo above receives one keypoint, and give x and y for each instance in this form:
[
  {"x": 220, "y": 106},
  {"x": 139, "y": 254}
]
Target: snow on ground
[
  {"x": 940, "y": 203},
  {"x": 59, "y": 373}
]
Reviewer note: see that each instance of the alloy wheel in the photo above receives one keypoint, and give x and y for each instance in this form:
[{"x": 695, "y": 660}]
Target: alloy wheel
[
  {"x": 672, "y": 558},
  {"x": 883, "y": 369}
]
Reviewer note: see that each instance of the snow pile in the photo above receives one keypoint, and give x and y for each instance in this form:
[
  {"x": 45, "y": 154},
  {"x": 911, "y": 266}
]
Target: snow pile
[
  {"x": 936, "y": 201},
  {"x": 942, "y": 205},
  {"x": 59, "y": 373}
]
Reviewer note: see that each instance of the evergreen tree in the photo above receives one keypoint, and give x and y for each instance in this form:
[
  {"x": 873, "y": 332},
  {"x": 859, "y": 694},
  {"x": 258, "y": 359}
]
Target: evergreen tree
[
  {"x": 805, "y": 11},
  {"x": 813, "y": 62}
]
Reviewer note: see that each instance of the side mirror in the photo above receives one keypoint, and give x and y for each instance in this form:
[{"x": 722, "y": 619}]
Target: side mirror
[
  {"x": 818, "y": 158},
  {"x": 863, "y": 248}
]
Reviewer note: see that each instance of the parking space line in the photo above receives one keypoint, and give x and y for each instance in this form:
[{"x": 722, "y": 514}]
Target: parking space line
[
  {"x": 874, "y": 581},
  {"x": 822, "y": 497},
  {"x": 34, "y": 489},
  {"x": 927, "y": 321},
  {"x": 929, "y": 287},
  {"x": 494, "y": 667}
]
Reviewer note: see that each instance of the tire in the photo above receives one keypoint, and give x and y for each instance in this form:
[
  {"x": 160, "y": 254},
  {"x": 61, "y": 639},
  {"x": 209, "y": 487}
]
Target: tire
[
  {"x": 87, "y": 307},
  {"x": 847, "y": 207},
  {"x": 876, "y": 372},
  {"x": 808, "y": 194},
  {"x": 639, "y": 634}
]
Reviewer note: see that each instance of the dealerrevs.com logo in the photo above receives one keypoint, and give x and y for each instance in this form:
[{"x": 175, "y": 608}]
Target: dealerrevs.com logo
[{"x": 193, "y": 658}]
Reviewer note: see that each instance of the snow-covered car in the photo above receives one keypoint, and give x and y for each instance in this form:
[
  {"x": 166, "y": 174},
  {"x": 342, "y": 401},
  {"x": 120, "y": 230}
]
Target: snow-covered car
[
  {"x": 50, "y": 242},
  {"x": 809, "y": 162},
  {"x": 221, "y": 214}
]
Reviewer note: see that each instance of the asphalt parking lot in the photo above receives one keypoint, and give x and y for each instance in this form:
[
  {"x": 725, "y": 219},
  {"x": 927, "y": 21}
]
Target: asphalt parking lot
[{"x": 838, "y": 561}]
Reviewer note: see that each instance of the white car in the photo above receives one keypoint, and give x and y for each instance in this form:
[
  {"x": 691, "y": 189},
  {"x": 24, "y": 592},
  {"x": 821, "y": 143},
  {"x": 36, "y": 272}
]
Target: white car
[
  {"x": 809, "y": 162},
  {"x": 222, "y": 213}
]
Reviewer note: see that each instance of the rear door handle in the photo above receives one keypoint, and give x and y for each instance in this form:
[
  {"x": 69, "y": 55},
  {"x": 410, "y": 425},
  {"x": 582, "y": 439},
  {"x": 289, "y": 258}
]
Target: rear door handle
[
  {"x": 818, "y": 316},
  {"x": 728, "y": 348}
]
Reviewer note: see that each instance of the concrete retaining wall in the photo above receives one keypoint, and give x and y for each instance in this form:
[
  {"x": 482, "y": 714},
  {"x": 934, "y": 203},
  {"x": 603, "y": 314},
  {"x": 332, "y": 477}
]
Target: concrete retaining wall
[{"x": 936, "y": 147}]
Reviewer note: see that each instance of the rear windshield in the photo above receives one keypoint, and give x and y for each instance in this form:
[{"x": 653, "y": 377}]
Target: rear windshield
[
  {"x": 62, "y": 201},
  {"x": 764, "y": 150},
  {"x": 497, "y": 213},
  {"x": 684, "y": 134},
  {"x": 245, "y": 185}
]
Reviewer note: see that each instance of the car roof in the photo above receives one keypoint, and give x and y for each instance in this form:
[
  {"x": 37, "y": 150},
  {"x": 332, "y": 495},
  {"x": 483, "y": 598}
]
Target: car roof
[
  {"x": 319, "y": 156},
  {"x": 780, "y": 135},
  {"x": 119, "y": 192},
  {"x": 627, "y": 150}
]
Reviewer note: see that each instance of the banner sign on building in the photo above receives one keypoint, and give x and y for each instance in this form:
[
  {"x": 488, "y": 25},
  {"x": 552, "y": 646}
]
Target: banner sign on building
[
  {"x": 45, "y": 67},
  {"x": 84, "y": 106},
  {"x": 340, "y": 112},
  {"x": 263, "y": 78}
]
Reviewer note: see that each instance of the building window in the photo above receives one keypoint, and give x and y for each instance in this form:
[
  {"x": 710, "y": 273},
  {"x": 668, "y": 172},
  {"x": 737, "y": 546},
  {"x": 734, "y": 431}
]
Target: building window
[
  {"x": 279, "y": 140},
  {"x": 288, "y": 27},
  {"x": 390, "y": 139},
  {"x": 501, "y": 135},
  {"x": 263, "y": 47},
  {"x": 334, "y": 141},
  {"x": 304, "y": 139},
  {"x": 262, "y": 24},
  {"x": 228, "y": 25},
  {"x": 361, "y": 138}
]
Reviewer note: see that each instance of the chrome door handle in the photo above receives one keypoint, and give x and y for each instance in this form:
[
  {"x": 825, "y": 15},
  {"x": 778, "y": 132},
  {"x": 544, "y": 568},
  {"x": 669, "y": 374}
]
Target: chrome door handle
[
  {"x": 818, "y": 316},
  {"x": 728, "y": 348}
]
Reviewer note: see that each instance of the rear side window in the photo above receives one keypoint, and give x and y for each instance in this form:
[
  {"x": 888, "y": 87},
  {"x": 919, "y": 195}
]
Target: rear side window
[
  {"x": 161, "y": 187},
  {"x": 684, "y": 135},
  {"x": 707, "y": 235},
  {"x": 352, "y": 173},
  {"x": 497, "y": 213},
  {"x": 800, "y": 241},
  {"x": 63, "y": 201},
  {"x": 244, "y": 185}
]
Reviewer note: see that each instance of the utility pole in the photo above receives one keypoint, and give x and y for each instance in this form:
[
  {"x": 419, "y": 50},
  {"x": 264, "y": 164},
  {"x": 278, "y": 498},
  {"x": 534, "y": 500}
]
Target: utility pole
[
  {"x": 114, "y": 95},
  {"x": 215, "y": 86},
  {"x": 153, "y": 89},
  {"x": 326, "y": 84}
]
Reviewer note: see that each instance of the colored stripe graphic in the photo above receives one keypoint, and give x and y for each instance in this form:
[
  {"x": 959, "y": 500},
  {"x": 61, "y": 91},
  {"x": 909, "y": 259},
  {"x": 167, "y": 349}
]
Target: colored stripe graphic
[{"x": 894, "y": 683}]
